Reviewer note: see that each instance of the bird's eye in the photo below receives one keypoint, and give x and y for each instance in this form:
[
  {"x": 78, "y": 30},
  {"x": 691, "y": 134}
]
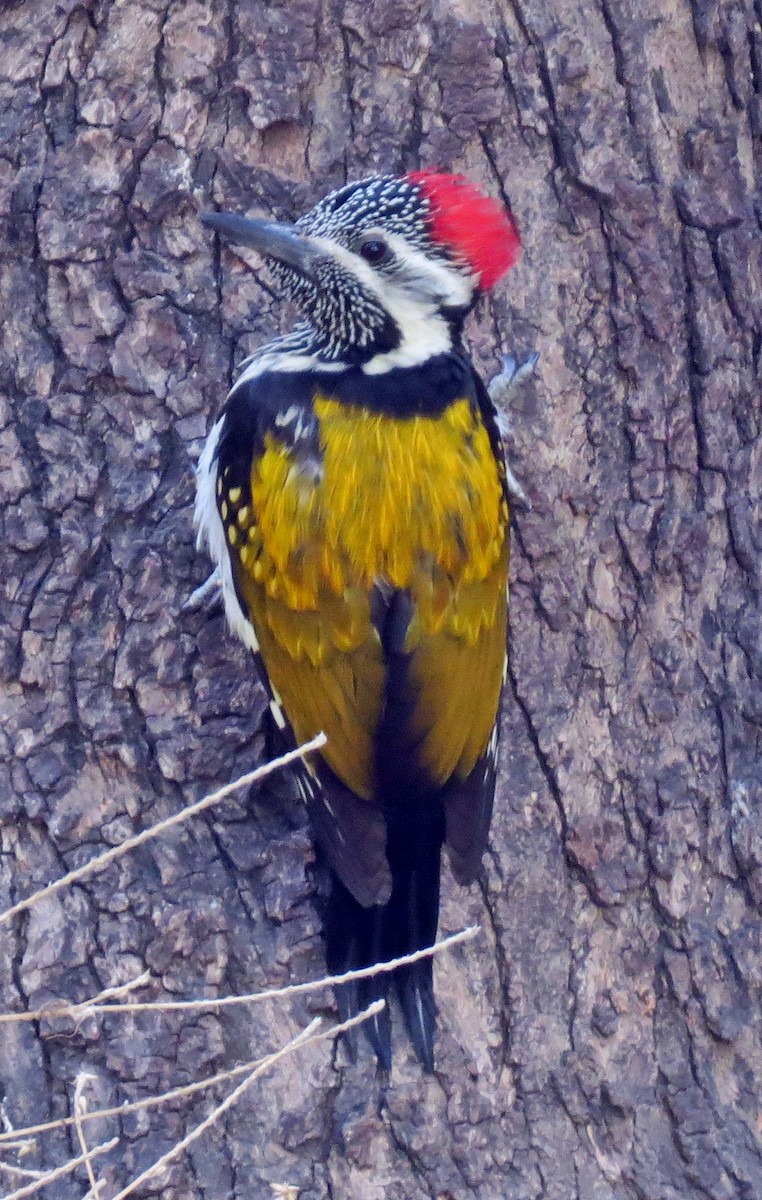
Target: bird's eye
[{"x": 373, "y": 250}]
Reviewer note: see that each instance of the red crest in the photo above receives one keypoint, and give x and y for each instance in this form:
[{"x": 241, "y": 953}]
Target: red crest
[{"x": 477, "y": 228}]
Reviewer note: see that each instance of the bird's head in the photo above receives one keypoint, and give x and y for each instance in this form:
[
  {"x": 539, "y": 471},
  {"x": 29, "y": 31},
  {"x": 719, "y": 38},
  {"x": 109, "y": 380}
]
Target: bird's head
[{"x": 386, "y": 269}]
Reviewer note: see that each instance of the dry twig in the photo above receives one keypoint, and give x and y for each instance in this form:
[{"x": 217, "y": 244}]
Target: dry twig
[
  {"x": 24, "y": 1172},
  {"x": 91, "y": 1007},
  {"x": 9, "y": 1139},
  {"x": 300, "y": 1040},
  {"x": 103, "y": 860},
  {"x": 80, "y": 1108},
  {"x": 59, "y": 1172}
]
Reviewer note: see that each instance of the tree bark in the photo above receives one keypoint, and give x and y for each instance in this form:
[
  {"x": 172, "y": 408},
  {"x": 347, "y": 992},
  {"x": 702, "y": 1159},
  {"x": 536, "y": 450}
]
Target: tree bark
[{"x": 601, "y": 1039}]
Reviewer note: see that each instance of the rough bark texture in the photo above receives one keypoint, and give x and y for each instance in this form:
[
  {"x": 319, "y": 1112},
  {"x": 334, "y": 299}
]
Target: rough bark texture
[{"x": 601, "y": 1041}]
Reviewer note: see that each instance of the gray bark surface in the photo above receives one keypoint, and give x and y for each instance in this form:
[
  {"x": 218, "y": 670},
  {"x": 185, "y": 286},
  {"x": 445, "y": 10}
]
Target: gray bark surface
[{"x": 601, "y": 1039}]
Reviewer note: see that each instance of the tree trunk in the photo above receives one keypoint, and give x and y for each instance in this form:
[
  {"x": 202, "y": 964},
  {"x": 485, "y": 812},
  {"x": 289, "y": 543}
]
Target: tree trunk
[{"x": 601, "y": 1039}]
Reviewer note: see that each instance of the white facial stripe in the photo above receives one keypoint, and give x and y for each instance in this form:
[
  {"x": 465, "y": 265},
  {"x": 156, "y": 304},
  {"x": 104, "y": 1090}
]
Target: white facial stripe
[
  {"x": 424, "y": 332},
  {"x": 447, "y": 286}
]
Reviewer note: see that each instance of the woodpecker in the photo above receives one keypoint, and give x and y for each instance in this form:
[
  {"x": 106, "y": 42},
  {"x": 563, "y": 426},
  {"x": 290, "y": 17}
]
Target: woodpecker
[{"x": 353, "y": 495}]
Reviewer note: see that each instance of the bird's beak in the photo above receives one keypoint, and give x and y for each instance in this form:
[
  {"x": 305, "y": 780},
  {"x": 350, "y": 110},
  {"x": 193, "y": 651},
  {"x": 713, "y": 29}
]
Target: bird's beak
[{"x": 281, "y": 242}]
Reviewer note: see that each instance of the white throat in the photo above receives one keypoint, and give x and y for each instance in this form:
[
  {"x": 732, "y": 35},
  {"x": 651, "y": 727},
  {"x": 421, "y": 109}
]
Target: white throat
[{"x": 425, "y": 333}]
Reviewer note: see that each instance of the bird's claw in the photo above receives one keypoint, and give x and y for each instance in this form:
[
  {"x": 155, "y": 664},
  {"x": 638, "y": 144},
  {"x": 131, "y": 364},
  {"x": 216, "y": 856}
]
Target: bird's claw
[
  {"x": 501, "y": 391},
  {"x": 201, "y": 594},
  {"x": 502, "y": 388}
]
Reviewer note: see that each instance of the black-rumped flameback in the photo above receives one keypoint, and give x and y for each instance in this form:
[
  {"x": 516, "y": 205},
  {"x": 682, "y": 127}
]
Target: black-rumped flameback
[{"x": 354, "y": 499}]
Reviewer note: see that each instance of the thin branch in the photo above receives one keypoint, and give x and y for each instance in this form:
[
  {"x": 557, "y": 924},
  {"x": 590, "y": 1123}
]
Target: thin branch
[
  {"x": 15, "y": 1136},
  {"x": 122, "y": 989},
  {"x": 80, "y": 1010},
  {"x": 24, "y": 1172},
  {"x": 103, "y": 860},
  {"x": 9, "y": 1139},
  {"x": 59, "y": 1172},
  {"x": 222, "y": 1108},
  {"x": 89, "y": 1007},
  {"x": 80, "y": 1108}
]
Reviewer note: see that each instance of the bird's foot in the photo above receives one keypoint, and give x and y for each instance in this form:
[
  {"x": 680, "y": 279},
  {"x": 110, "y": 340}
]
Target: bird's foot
[
  {"x": 502, "y": 389},
  {"x": 504, "y": 386},
  {"x": 201, "y": 595}
]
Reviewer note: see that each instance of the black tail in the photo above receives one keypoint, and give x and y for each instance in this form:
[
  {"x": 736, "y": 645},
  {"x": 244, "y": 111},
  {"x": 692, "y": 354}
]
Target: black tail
[{"x": 359, "y": 937}]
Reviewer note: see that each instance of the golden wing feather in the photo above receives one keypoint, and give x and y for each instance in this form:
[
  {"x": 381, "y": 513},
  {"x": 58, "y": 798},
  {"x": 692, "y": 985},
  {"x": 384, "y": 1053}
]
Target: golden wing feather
[
  {"x": 456, "y": 673},
  {"x": 327, "y": 679}
]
